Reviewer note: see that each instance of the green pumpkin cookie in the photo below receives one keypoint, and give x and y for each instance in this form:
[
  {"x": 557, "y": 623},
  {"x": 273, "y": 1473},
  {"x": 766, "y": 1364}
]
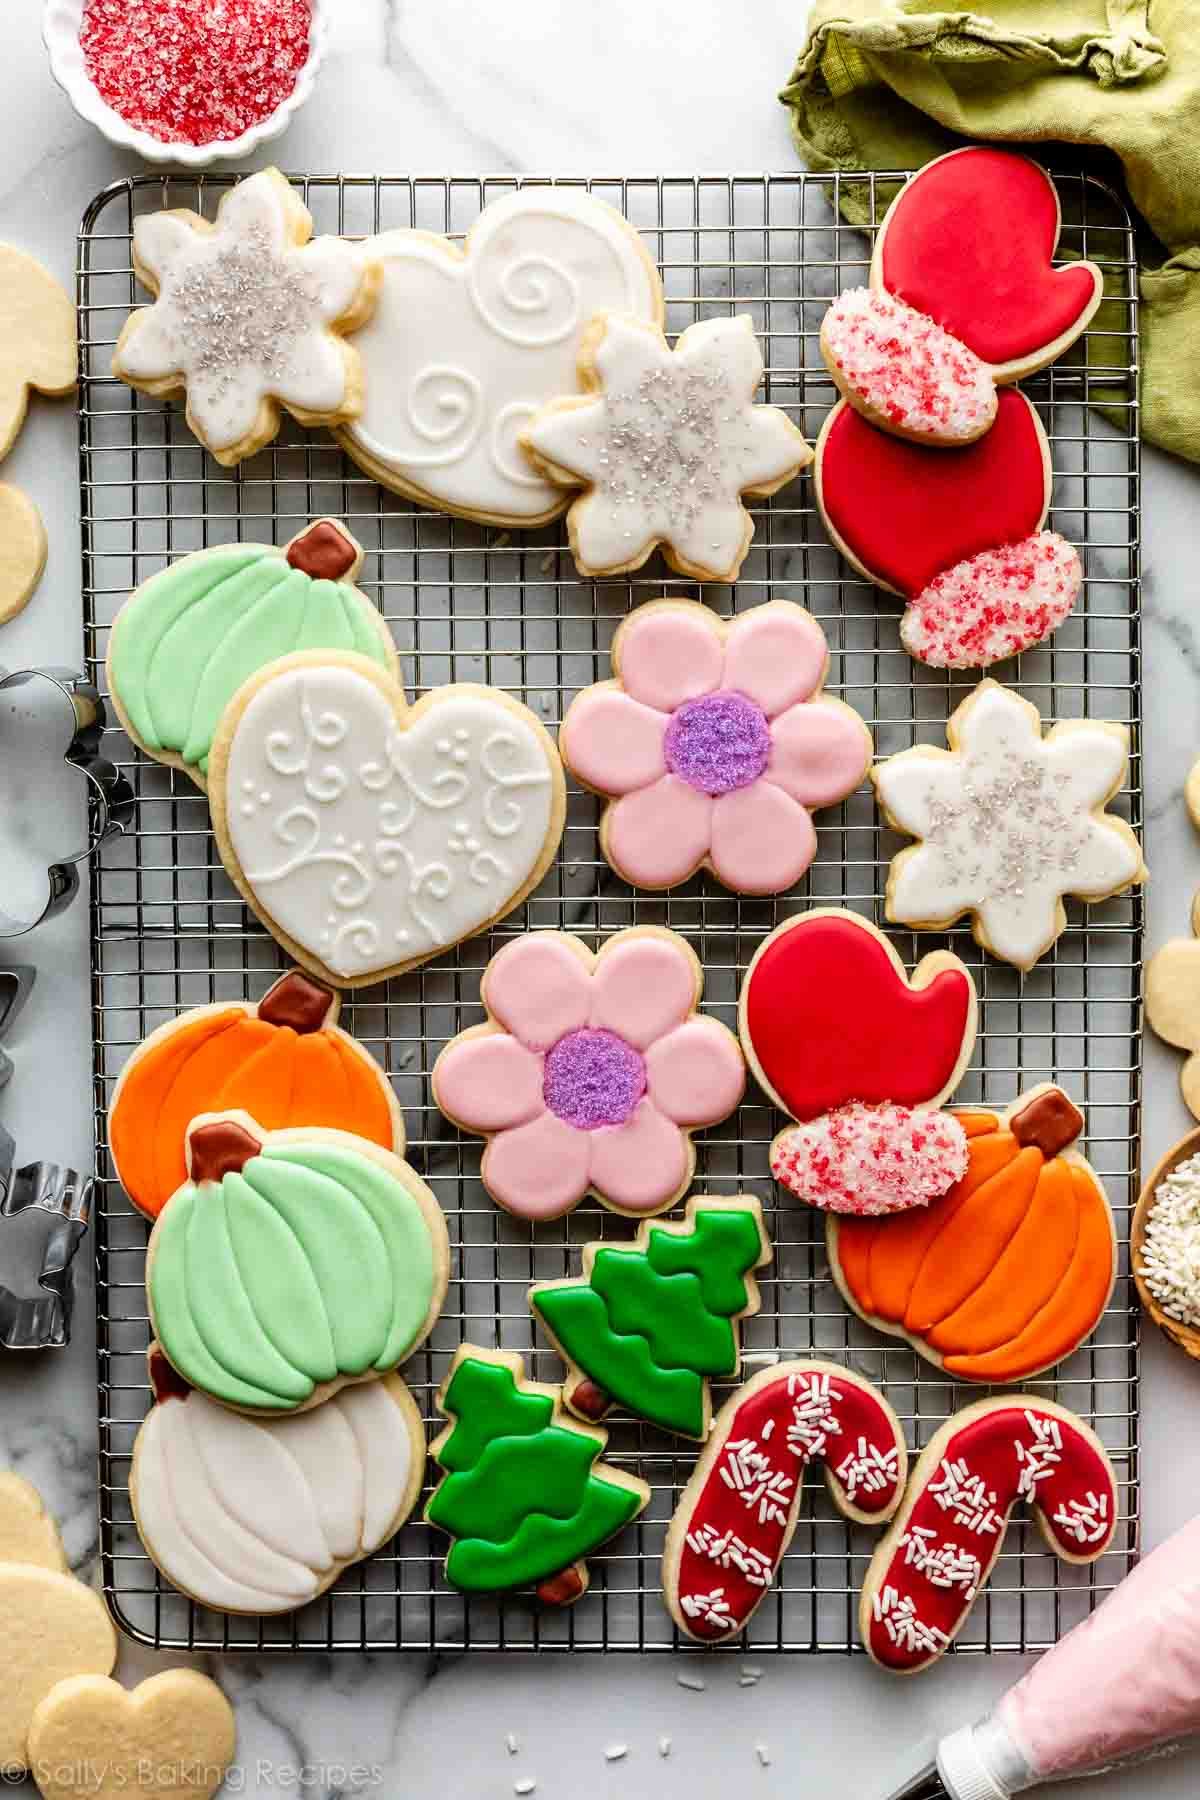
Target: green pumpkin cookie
[
  {"x": 291, "y": 1262},
  {"x": 186, "y": 640}
]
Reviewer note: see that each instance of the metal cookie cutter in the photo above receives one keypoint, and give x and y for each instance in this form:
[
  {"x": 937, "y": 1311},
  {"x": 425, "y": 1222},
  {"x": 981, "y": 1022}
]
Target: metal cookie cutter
[
  {"x": 110, "y": 797},
  {"x": 15, "y": 984},
  {"x": 42, "y": 1321}
]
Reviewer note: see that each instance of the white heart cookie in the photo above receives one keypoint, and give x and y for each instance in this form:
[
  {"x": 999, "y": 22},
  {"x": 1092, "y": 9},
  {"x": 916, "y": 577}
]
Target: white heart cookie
[
  {"x": 463, "y": 348},
  {"x": 368, "y": 835}
]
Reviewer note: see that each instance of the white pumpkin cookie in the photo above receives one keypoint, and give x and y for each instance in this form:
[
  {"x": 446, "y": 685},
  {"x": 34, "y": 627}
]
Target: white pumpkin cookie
[
  {"x": 1009, "y": 822},
  {"x": 53, "y": 1627},
  {"x": 465, "y": 345},
  {"x": 173, "y": 1736},
  {"x": 249, "y": 317},
  {"x": 369, "y": 835},
  {"x": 261, "y": 1515},
  {"x": 664, "y": 444}
]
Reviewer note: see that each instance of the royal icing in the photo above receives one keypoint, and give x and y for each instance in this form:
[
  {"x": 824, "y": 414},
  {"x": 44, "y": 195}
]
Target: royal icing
[
  {"x": 828, "y": 1016},
  {"x": 305, "y": 1261},
  {"x": 283, "y": 1061},
  {"x": 648, "y": 1324},
  {"x": 373, "y": 837},
  {"x": 186, "y": 640},
  {"x": 870, "y": 1159},
  {"x": 243, "y": 313},
  {"x": 969, "y": 241},
  {"x": 1009, "y": 1271},
  {"x": 523, "y": 1497},
  {"x": 592, "y": 1073},
  {"x": 667, "y": 446},
  {"x": 901, "y": 368},
  {"x": 260, "y": 1515},
  {"x": 464, "y": 348},
  {"x": 995, "y": 604},
  {"x": 714, "y": 741},
  {"x": 927, "y": 1572},
  {"x": 737, "y": 1514},
  {"x": 1009, "y": 822}
]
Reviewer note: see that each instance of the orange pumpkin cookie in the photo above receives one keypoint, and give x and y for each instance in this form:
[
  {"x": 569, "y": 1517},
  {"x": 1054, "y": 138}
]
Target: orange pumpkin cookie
[
  {"x": 285, "y": 1061},
  {"x": 1010, "y": 1271}
]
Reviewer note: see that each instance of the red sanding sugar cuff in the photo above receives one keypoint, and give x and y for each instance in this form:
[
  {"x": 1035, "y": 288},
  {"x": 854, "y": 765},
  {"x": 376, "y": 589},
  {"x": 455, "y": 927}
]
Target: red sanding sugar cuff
[
  {"x": 195, "y": 71},
  {"x": 994, "y": 605}
]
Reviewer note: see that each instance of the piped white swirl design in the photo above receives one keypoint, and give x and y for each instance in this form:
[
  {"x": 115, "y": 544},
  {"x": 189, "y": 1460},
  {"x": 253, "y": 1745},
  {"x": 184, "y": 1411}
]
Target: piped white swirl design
[
  {"x": 370, "y": 845},
  {"x": 463, "y": 349}
]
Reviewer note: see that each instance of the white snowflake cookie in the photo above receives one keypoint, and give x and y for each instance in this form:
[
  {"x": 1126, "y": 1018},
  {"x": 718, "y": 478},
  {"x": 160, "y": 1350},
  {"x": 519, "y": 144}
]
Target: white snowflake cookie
[
  {"x": 249, "y": 317},
  {"x": 664, "y": 444},
  {"x": 1009, "y": 822}
]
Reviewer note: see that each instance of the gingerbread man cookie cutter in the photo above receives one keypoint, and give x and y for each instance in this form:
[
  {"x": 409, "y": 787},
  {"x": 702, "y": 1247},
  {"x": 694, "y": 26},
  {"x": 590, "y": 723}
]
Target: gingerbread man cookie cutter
[
  {"x": 110, "y": 797},
  {"x": 42, "y": 1321}
]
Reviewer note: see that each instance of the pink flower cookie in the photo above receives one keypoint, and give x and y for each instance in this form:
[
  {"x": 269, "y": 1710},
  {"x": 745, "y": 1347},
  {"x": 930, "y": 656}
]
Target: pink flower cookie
[
  {"x": 713, "y": 741},
  {"x": 591, "y": 1073}
]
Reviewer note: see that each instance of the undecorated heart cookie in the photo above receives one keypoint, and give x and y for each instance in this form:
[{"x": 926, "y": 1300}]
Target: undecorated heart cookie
[
  {"x": 51, "y": 1626},
  {"x": 37, "y": 339},
  {"x": 27, "y": 1532},
  {"x": 369, "y": 835},
  {"x": 172, "y": 1736},
  {"x": 22, "y": 550}
]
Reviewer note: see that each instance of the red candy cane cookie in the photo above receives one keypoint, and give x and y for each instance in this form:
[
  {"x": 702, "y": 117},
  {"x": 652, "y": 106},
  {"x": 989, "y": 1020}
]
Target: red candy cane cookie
[
  {"x": 737, "y": 1514},
  {"x": 945, "y": 1539},
  {"x": 958, "y": 533},
  {"x": 963, "y": 296}
]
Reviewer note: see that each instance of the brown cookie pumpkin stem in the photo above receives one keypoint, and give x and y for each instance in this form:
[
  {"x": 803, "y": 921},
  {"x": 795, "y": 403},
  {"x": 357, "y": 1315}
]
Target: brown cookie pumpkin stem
[
  {"x": 590, "y": 1399},
  {"x": 221, "y": 1148},
  {"x": 1049, "y": 1123},
  {"x": 562, "y": 1589},
  {"x": 325, "y": 551},
  {"x": 296, "y": 1000},
  {"x": 165, "y": 1379}
]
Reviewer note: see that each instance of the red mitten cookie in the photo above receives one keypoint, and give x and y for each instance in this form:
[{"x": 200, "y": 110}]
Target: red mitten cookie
[
  {"x": 964, "y": 296},
  {"x": 956, "y": 533},
  {"x": 861, "y": 1055}
]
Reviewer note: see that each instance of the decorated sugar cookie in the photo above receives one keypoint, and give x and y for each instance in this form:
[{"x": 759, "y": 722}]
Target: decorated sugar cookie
[
  {"x": 249, "y": 317},
  {"x": 861, "y": 1055},
  {"x": 522, "y": 1497},
  {"x": 22, "y": 550},
  {"x": 963, "y": 295},
  {"x": 713, "y": 741},
  {"x": 283, "y": 1059},
  {"x": 1009, "y": 821},
  {"x": 90, "y": 1739},
  {"x": 466, "y": 345},
  {"x": 592, "y": 1072},
  {"x": 38, "y": 349},
  {"x": 27, "y": 1532},
  {"x": 736, "y": 1516},
  {"x": 665, "y": 443},
  {"x": 184, "y": 641},
  {"x": 958, "y": 534},
  {"x": 261, "y": 1515},
  {"x": 369, "y": 835},
  {"x": 649, "y": 1323},
  {"x": 1173, "y": 1003},
  {"x": 1007, "y": 1273},
  {"x": 943, "y": 1543},
  {"x": 291, "y": 1263},
  {"x": 54, "y": 1627}
]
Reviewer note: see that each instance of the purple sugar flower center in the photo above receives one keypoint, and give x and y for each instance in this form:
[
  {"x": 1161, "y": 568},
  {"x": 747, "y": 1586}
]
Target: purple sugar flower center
[
  {"x": 593, "y": 1078},
  {"x": 718, "y": 743}
]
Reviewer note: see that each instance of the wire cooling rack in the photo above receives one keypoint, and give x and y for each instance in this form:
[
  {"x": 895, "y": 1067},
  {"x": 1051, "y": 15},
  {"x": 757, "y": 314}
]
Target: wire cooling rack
[{"x": 470, "y": 603}]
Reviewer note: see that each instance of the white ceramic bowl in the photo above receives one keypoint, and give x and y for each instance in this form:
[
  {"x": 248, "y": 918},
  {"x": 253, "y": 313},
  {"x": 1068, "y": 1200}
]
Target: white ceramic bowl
[{"x": 61, "y": 21}]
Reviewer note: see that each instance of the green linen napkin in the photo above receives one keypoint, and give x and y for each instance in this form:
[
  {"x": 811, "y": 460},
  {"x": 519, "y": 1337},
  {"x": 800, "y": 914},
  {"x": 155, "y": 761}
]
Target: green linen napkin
[{"x": 891, "y": 83}]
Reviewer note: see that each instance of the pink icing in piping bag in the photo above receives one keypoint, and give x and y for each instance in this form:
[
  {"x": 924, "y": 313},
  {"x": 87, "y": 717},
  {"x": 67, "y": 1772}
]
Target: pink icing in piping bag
[{"x": 1122, "y": 1686}]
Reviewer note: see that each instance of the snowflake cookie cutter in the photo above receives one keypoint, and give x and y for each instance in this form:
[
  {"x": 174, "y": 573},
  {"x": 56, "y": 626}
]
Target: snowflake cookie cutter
[
  {"x": 110, "y": 797},
  {"x": 42, "y": 1321}
]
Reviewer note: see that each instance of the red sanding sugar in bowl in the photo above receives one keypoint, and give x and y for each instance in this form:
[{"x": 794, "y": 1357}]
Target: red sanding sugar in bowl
[{"x": 195, "y": 71}]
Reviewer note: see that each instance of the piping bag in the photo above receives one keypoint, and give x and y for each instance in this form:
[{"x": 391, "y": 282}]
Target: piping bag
[{"x": 1122, "y": 1687}]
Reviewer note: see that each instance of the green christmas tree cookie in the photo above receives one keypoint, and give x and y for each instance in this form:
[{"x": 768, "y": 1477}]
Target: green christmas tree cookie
[
  {"x": 648, "y": 1324},
  {"x": 186, "y": 640},
  {"x": 523, "y": 1497}
]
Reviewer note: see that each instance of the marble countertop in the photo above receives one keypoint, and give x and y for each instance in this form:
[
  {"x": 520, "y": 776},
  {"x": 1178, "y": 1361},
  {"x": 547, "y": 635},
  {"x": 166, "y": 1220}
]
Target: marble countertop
[{"x": 550, "y": 87}]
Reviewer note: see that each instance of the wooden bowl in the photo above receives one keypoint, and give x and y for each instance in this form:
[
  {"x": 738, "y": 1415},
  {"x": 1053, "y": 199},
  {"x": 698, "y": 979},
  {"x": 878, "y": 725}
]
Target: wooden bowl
[{"x": 1186, "y": 1336}]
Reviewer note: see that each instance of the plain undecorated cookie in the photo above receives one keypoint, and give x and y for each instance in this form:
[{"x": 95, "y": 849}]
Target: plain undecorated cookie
[
  {"x": 27, "y": 1532},
  {"x": 22, "y": 550},
  {"x": 52, "y": 1627},
  {"x": 171, "y": 1738},
  {"x": 37, "y": 339}
]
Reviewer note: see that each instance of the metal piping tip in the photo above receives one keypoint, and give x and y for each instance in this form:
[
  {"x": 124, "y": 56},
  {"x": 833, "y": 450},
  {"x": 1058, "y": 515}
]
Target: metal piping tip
[{"x": 927, "y": 1784}]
